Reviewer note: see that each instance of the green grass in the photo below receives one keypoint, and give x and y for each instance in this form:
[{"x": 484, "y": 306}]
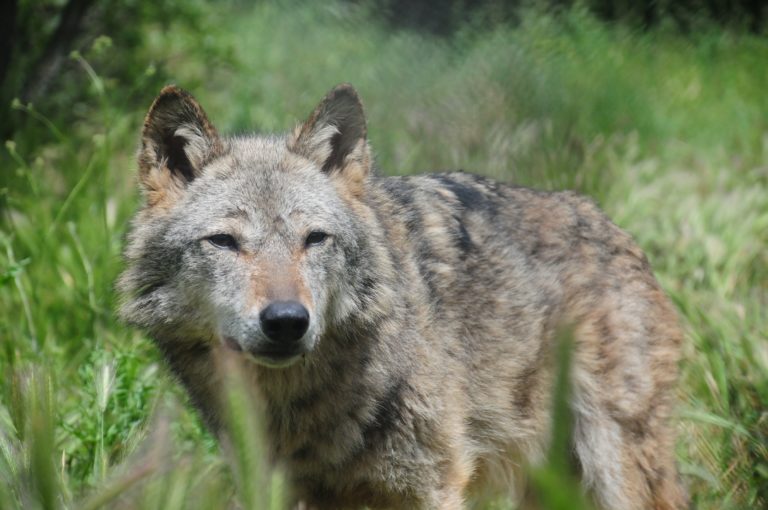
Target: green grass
[{"x": 670, "y": 135}]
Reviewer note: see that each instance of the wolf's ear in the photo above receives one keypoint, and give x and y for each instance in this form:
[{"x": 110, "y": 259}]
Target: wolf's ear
[
  {"x": 176, "y": 143},
  {"x": 334, "y": 136}
]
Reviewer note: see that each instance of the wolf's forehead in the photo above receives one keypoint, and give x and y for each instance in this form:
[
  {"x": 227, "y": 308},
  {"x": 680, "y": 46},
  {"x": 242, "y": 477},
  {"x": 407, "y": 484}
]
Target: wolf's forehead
[
  {"x": 260, "y": 175},
  {"x": 255, "y": 148},
  {"x": 262, "y": 158}
]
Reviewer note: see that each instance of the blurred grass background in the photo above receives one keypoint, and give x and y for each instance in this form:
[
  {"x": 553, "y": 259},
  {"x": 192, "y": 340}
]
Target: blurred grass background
[{"x": 662, "y": 118}]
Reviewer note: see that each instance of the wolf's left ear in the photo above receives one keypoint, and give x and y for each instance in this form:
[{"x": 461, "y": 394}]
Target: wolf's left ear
[
  {"x": 334, "y": 136},
  {"x": 176, "y": 143}
]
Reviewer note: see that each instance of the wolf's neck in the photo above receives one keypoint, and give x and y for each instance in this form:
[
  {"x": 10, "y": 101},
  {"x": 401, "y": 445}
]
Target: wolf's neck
[{"x": 321, "y": 408}]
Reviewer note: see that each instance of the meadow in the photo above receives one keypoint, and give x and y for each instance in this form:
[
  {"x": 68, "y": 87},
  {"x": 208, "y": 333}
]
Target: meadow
[{"x": 667, "y": 132}]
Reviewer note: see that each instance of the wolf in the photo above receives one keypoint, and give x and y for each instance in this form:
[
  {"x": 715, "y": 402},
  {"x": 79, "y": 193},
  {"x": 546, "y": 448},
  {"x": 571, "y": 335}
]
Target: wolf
[{"x": 398, "y": 332}]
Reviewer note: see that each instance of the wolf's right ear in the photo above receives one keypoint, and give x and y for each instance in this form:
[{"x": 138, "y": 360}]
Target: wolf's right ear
[{"x": 176, "y": 143}]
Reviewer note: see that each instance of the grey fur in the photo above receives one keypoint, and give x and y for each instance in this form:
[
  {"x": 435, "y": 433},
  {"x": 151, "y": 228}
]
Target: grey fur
[{"x": 434, "y": 307}]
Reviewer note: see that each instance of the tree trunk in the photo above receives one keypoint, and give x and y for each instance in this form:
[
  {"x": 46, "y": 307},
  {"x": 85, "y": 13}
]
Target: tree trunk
[{"x": 56, "y": 50}]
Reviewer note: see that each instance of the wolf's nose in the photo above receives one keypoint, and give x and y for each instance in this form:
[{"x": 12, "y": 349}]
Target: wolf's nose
[{"x": 284, "y": 321}]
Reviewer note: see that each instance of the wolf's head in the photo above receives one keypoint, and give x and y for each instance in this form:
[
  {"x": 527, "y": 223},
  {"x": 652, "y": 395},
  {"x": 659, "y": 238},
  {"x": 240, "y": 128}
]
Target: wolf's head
[{"x": 256, "y": 242}]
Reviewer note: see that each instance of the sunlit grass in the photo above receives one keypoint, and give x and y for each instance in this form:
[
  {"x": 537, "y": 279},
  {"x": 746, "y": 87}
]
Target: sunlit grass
[{"x": 670, "y": 136}]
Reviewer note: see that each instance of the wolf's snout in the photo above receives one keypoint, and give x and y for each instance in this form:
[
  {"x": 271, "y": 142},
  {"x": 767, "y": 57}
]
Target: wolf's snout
[{"x": 284, "y": 321}]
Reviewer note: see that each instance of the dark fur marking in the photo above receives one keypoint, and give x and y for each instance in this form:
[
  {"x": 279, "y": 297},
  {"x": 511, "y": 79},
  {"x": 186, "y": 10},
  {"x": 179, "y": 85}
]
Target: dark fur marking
[
  {"x": 336, "y": 159},
  {"x": 636, "y": 426},
  {"x": 178, "y": 162},
  {"x": 429, "y": 277},
  {"x": 402, "y": 193},
  {"x": 646, "y": 264},
  {"x": 464, "y": 240},
  {"x": 303, "y": 453},
  {"x": 388, "y": 415},
  {"x": 184, "y": 349},
  {"x": 149, "y": 287},
  {"x": 607, "y": 363},
  {"x": 275, "y": 421},
  {"x": 605, "y": 331},
  {"x": 238, "y": 212},
  {"x": 535, "y": 249},
  {"x": 461, "y": 235},
  {"x": 582, "y": 226},
  {"x": 526, "y": 381},
  {"x": 157, "y": 269},
  {"x": 180, "y": 355},
  {"x": 366, "y": 289},
  {"x": 353, "y": 256},
  {"x": 469, "y": 197},
  {"x": 317, "y": 491},
  {"x": 304, "y": 402}
]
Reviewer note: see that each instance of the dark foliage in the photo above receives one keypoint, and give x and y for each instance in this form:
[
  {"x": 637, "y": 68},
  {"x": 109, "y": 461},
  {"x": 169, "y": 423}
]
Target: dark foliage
[
  {"x": 38, "y": 36},
  {"x": 445, "y": 16}
]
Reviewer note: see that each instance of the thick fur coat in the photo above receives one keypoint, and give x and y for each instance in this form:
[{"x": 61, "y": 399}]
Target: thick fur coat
[{"x": 425, "y": 311}]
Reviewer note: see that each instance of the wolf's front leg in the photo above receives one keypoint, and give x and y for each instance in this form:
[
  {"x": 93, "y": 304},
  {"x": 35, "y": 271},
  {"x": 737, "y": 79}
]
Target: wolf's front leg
[{"x": 452, "y": 491}]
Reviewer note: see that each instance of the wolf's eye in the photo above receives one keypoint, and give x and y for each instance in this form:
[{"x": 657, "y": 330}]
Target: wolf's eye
[
  {"x": 315, "y": 237},
  {"x": 224, "y": 241}
]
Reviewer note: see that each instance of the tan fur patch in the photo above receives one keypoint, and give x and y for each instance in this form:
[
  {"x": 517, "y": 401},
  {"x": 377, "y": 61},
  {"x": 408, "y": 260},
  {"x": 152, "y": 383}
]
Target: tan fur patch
[
  {"x": 278, "y": 282},
  {"x": 260, "y": 284},
  {"x": 161, "y": 188}
]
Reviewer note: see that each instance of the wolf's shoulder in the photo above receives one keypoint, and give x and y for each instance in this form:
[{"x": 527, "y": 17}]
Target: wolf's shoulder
[{"x": 472, "y": 192}]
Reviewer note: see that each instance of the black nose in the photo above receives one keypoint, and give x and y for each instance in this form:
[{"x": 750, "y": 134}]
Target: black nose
[{"x": 284, "y": 321}]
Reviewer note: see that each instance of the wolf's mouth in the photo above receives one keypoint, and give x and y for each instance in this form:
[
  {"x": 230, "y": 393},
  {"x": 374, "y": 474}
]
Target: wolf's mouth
[
  {"x": 231, "y": 343},
  {"x": 273, "y": 358},
  {"x": 276, "y": 360}
]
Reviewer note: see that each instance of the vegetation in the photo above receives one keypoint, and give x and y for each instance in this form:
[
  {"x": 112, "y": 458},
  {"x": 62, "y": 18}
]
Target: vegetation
[{"x": 668, "y": 132}]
